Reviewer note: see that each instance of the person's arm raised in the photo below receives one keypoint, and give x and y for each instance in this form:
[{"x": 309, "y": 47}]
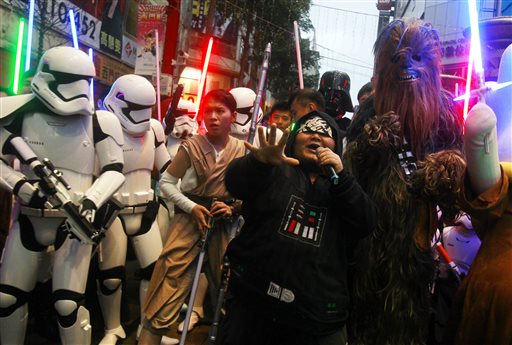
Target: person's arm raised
[
  {"x": 269, "y": 151},
  {"x": 249, "y": 175}
]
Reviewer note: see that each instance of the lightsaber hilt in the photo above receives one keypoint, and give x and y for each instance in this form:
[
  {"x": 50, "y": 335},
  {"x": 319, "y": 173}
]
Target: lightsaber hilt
[
  {"x": 261, "y": 86},
  {"x": 212, "y": 336},
  {"x": 453, "y": 266},
  {"x": 297, "y": 51}
]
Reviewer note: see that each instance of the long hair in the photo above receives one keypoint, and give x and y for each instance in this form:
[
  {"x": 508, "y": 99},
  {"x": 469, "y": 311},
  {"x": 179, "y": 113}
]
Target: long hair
[{"x": 407, "y": 67}]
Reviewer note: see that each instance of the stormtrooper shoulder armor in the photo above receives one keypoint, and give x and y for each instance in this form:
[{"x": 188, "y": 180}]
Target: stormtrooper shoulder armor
[
  {"x": 162, "y": 158},
  {"x": 109, "y": 125},
  {"x": 10, "y": 105},
  {"x": 159, "y": 132}
]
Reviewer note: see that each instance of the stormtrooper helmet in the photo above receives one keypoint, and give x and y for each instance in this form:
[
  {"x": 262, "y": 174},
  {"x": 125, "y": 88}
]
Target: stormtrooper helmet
[
  {"x": 130, "y": 99},
  {"x": 244, "y": 98},
  {"x": 184, "y": 124},
  {"x": 461, "y": 242},
  {"x": 62, "y": 81}
]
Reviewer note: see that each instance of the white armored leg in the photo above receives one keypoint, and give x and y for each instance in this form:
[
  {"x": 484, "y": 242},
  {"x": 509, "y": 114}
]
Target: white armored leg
[
  {"x": 13, "y": 326},
  {"x": 147, "y": 247},
  {"x": 110, "y": 307},
  {"x": 69, "y": 281},
  {"x": 78, "y": 333},
  {"x": 15, "y": 283},
  {"x": 143, "y": 290},
  {"x": 111, "y": 264}
]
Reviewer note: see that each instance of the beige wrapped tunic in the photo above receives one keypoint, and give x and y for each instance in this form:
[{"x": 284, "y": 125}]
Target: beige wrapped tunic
[{"x": 172, "y": 278}]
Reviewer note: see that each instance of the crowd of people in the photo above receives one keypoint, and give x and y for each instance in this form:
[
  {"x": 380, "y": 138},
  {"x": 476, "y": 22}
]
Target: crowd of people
[{"x": 338, "y": 224}]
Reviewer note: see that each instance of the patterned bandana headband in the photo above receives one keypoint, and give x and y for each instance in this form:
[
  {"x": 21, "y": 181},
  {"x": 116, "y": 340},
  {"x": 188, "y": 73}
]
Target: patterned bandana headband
[{"x": 316, "y": 125}]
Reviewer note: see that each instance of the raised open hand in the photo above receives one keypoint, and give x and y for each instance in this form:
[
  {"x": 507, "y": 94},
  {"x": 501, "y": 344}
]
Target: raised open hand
[{"x": 269, "y": 151}]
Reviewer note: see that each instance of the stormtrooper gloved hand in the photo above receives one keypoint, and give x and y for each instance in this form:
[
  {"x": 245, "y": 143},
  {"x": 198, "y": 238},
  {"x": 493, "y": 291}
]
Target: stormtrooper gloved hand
[
  {"x": 29, "y": 194},
  {"x": 88, "y": 209}
]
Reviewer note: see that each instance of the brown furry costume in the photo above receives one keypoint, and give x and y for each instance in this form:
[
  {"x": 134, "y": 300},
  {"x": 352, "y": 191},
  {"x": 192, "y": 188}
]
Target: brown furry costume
[{"x": 394, "y": 265}]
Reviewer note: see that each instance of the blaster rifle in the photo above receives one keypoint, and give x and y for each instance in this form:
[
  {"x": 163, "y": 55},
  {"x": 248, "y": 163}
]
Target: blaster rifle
[
  {"x": 56, "y": 190},
  {"x": 170, "y": 115}
]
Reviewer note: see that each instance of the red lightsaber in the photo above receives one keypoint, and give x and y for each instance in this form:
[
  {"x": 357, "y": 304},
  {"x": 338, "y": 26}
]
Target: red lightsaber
[{"x": 203, "y": 75}]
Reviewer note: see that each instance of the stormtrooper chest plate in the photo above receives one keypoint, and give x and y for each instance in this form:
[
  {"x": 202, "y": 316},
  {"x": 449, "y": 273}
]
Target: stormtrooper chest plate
[
  {"x": 139, "y": 152},
  {"x": 66, "y": 140}
]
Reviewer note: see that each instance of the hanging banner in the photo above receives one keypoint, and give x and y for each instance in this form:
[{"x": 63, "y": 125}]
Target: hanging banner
[
  {"x": 151, "y": 18},
  {"x": 56, "y": 14},
  {"x": 112, "y": 28}
]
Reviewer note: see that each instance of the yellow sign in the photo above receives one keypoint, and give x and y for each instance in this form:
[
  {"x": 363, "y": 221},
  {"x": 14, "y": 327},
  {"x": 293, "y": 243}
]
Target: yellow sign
[{"x": 189, "y": 97}]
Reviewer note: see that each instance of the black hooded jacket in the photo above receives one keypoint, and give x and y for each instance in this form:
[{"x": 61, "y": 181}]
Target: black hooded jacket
[{"x": 290, "y": 258}]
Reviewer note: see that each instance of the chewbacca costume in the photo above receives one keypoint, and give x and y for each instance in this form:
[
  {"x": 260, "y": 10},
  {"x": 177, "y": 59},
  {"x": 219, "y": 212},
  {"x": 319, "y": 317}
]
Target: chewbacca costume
[{"x": 394, "y": 267}]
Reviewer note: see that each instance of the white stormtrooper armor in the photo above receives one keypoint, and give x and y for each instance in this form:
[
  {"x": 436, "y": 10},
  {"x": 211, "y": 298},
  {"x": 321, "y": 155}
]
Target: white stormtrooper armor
[
  {"x": 131, "y": 98},
  {"x": 244, "y": 98},
  {"x": 184, "y": 126},
  {"x": 461, "y": 243},
  {"x": 62, "y": 82},
  {"x": 58, "y": 124},
  {"x": 240, "y": 129}
]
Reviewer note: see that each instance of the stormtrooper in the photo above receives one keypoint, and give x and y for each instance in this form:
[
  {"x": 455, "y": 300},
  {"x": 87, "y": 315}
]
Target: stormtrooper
[
  {"x": 461, "y": 242},
  {"x": 184, "y": 126},
  {"x": 131, "y": 99},
  {"x": 56, "y": 121}
]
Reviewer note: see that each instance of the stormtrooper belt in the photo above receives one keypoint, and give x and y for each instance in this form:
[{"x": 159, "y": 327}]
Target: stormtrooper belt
[
  {"x": 42, "y": 212},
  {"x": 133, "y": 209}
]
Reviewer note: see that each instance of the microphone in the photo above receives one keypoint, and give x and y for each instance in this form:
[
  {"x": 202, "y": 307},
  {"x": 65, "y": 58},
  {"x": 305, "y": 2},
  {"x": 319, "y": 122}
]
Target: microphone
[{"x": 329, "y": 170}]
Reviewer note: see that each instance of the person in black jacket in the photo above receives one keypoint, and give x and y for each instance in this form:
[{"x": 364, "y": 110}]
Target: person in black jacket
[{"x": 288, "y": 281}]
